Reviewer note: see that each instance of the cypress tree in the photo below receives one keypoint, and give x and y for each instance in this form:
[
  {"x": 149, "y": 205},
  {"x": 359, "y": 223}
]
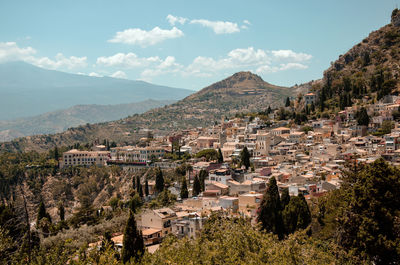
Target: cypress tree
[
  {"x": 184, "y": 189},
  {"x": 146, "y": 188},
  {"x": 287, "y": 104},
  {"x": 220, "y": 156},
  {"x": 196, "y": 186},
  {"x": 42, "y": 213},
  {"x": 134, "y": 182},
  {"x": 61, "y": 211},
  {"x": 159, "y": 181},
  {"x": 139, "y": 188},
  {"x": 133, "y": 245},
  {"x": 245, "y": 157},
  {"x": 270, "y": 214},
  {"x": 285, "y": 198},
  {"x": 202, "y": 177},
  {"x": 304, "y": 213},
  {"x": 296, "y": 214}
]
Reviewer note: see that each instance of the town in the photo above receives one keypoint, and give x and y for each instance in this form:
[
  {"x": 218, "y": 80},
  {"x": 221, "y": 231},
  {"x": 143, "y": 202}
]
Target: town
[{"x": 307, "y": 159}]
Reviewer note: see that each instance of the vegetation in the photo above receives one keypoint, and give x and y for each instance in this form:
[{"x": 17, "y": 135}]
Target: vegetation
[
  {"x": 245, "y": 158},
  {"x": 184, "y": 189},
  {"x": 133, "y": 245},
  {"x": 208, "y": 154}
]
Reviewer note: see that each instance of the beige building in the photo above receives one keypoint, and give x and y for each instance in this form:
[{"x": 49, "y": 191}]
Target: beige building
[
  {"x": 204, "y": 142},
  {"x": 136, "y": 154},
  {"x": 159, "y": 219},
  {"x": 75, "y": 157},
  {"x": 249, "y": 203}
]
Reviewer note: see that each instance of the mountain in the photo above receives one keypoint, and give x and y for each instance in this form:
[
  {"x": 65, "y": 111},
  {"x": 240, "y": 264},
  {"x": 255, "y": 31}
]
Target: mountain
[
  {"x": 241, "y": 92},
  {"x": 60, "y": 120},
  {"x": 369, "y": 70},
  {"x": 27, "y": 90}
]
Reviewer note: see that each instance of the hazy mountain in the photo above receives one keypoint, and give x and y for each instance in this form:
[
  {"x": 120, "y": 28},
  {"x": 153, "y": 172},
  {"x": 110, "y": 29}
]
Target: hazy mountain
[
  {"x": 59, "y": 121},
  {"x": 27, "y": 90},
  {"x": 241, "y": 92}
]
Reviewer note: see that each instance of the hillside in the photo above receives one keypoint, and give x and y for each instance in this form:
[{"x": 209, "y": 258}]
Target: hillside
[
  {"x": 369, "y": 70},
  {"x": 60, "y": 120},
  {"x": 27, "y": 90},
  {"x": 242, "y": 92}
]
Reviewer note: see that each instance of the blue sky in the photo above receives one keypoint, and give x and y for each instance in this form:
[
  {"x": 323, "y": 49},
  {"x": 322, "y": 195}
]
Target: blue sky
[{"x": 187, "y": 44}]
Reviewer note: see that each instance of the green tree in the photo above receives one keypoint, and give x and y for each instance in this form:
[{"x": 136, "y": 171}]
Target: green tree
[
  {"x": 42, "y": 213},
  {"x": 245, "y": 157},
  {"x": 296, "y": 214},
  {"x": 269, "y": 213},
  {"x": 285, "y": 198},
  {"x": 184, "y": 189},
  {"x": 159, "y": 180},
  {"x": 362, "y": 117},
  {"x": 208, "y": 154},
  {"x": 202, "y": 177},
  {"x": 139, "y": 187},
  {"x": 287, "y": 103},
  {"x": 220, "y": 156},
  {"x": 133, "y": 245},
  {"x": 369, "y": 222},
  {"x": 196, "y": 186},
  {"x": 61, "y": 211}
]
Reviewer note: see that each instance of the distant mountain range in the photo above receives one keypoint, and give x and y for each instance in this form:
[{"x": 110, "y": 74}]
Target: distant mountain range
[
  {"x": 60, "y": 120},
  {"x": 27, "y": 90},
  {"x": 241, "y": 92}
]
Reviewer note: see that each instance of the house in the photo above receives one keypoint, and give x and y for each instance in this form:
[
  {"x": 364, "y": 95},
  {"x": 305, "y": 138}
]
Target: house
[
  {"x": 151, "y": 236},
  {"x": 309, "y": 98},
  {"x": 188, "y": 225},
  {"x": 216, "y": 186},
  {"x": 229, "y": 203},
  {"x": 249, "y": 203},
  {"x": 159, "y": 219}
]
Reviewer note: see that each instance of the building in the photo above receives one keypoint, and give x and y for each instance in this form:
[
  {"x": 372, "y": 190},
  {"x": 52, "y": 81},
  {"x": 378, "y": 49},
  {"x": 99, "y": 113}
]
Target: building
[
  {"x": 75, "y": 157},
  {"x": 136, "y": 154},
  {"x": 249, "y": 203},
  {"x": 309, "y": 98},
  {"x": 204, "y": 142},
  {"x": 160, "y": 219}
]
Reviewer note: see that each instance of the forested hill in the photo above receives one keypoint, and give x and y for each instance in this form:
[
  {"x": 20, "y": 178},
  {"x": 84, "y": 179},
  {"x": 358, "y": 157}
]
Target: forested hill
[
  {"x": 241, "y": 92},
  {"x": 369, "y": 70}
]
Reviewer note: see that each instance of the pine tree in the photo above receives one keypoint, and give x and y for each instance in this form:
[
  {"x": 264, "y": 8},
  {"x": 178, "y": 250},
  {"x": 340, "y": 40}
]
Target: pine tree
[
  {"x": 133, "y": 245},
  {"x": 184, "y": 189},
  {"x": 146, "y": 188},
  {"x": 196, "y": 186},
  {"x": 245, "y": 157},
  {"x": 270, "y": 214},
  {"x": 159, "y": 181},
  {"x": 220, "y": 156}
]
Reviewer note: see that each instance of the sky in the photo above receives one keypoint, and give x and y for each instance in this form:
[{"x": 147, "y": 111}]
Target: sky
[{"x": 187, "y": 44}]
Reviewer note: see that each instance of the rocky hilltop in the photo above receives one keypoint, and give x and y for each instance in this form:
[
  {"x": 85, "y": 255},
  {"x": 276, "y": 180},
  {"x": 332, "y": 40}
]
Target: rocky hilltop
[
  {"x": 242, "y": 92},
  {"x": 370, "y": 69}
]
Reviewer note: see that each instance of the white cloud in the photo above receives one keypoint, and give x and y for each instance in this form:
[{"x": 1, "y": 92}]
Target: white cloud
[
  {"x": 167, "y": 66},
  {"x": 119, "y": 74},
  {"x": 144, "y": 38},
  {"x": 9, "y": 51},
  {"x": 246, "y": 22},
  {"x": 95, "y": 74},
  {"x": 127, "y": 60},
  {"x": 219, "y": 27},
  {"x": 263, "y": 61},
  {"x": 291, "y": 55},
  {"x": 60, "y": 61},
  {"x": 173, "y": 20}
]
